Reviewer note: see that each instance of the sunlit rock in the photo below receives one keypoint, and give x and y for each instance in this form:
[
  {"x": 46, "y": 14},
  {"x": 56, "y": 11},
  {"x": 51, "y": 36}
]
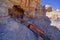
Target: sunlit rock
[
  {"x": 54, "y": 16},
  {"x": 48, "y": 8}
]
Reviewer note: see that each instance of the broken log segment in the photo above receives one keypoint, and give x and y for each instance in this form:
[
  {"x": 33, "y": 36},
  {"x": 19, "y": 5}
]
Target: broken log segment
[{"x": 35, "y": 29}]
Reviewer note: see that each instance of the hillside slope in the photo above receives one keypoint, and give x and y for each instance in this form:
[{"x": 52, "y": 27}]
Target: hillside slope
[{"x": 11, "y": 29}]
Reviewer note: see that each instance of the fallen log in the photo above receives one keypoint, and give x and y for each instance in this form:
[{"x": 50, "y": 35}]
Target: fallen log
[
  {"x": 17, "y": 13},
  {"x": 35, "y": 29}
]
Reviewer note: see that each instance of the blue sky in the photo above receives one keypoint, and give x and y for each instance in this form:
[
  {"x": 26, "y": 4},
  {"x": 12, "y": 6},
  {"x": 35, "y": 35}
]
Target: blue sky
[{"x": 54, "y": 3}]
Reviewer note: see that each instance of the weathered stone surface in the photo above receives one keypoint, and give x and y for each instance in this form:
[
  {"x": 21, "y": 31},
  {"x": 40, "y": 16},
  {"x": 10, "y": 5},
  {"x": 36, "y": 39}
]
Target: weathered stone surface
[
  {"x": 55, "y": 17},
  {"x": 26, "y": 4},
  {"x": 48, "y": 8},
  {"x": 31, "y": 7},
  {"x": 11, "y": 29}
]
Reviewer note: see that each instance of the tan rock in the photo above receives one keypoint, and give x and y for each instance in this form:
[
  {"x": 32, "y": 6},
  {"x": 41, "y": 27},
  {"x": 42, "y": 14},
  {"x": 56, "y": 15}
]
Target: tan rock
[
  {"x": 31, "y": 7},
  {"x": 48, "y": 8},
  {"x": 53, "y": 15},
  {"x": 26, "y": 4}
]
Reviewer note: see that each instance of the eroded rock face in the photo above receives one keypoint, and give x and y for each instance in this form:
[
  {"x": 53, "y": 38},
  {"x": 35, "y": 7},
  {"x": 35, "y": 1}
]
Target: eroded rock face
[
  {"x": 26, "y": 4},
  {"x": 48, "y": 8},
  {"x": 30, "y": 7},
  {"x": 14, "y": 30},
  {"x": 54, "y": 17}
]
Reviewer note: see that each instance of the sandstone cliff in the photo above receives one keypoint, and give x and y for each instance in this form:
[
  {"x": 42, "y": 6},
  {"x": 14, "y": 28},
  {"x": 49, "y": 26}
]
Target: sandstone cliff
[{"x": 11, "y": 29}]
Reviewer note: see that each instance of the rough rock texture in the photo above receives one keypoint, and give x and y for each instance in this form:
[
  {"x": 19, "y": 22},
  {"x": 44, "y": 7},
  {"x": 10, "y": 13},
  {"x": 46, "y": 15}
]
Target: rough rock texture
[
  {"x": 30, "y": 7},
  {"x": 10, "y": 29},
  {"x": 26, "y": 4},
  {"x": 54, "y": 17},
  {"x": 48, "y": 8}
]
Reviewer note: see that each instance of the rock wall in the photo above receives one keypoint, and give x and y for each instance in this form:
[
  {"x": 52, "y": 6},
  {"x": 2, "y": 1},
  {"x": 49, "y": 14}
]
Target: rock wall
[
  {"x": 54, "y": 17},
  {"x": 11, "y": 29},
  {"x": 26, "y": 4}
]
